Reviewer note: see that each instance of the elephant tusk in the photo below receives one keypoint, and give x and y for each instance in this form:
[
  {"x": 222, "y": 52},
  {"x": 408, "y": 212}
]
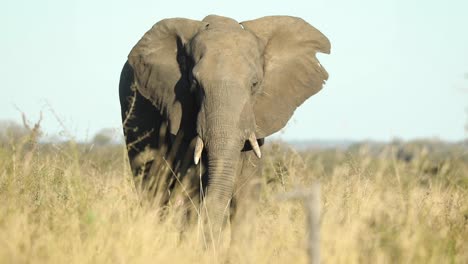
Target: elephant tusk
[
  {"x": 198, "y": 150},
  {"x": 254, "y": 144}
]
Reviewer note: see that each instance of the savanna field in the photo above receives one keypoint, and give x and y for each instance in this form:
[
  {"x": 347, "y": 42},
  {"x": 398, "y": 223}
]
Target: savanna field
[{"x": 395, "y": 203}]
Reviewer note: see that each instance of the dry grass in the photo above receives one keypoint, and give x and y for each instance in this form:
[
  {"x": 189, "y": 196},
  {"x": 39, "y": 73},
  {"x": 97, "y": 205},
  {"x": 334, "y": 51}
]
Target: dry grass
[{"x": 69, "y": 204}]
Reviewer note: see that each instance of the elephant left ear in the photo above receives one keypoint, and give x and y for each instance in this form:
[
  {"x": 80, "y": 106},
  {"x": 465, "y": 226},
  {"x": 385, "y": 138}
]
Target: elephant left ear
[{"x": 292, "y": 72}]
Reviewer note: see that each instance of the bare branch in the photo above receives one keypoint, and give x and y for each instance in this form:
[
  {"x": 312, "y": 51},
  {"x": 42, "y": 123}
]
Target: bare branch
[
  {"x": 129, "y": 114},
  {"x": 311, "y": 201},
  {"x": 139, "y": 139}
]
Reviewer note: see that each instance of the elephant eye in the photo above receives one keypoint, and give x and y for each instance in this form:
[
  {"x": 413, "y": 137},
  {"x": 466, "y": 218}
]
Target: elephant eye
[
  {"x": 194, "y": 83},
  {"x": 194, "y": 86},
  {"x": 255, "y": 86}
]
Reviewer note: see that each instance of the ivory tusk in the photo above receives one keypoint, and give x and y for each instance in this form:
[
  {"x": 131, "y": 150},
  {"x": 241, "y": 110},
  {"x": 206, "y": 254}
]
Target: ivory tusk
[
  {"x": 254, "y": 144},
  {"x": 198, "y": 150}
]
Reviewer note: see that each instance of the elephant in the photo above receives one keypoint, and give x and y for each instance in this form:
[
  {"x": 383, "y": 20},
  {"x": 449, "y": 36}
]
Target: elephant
[{"x": 200, "y": 97}]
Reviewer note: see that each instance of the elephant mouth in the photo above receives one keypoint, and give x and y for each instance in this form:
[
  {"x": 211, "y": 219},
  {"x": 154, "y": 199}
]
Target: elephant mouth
[{"x": 252, "y": 143}]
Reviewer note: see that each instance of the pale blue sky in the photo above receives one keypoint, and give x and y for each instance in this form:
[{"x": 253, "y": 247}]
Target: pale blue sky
[{"x": 397, "y": 69}]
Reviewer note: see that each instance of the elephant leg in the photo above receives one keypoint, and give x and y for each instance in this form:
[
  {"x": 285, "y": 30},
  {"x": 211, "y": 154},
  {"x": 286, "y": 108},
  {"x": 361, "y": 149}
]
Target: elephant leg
[{"x": 245, "y": 198}]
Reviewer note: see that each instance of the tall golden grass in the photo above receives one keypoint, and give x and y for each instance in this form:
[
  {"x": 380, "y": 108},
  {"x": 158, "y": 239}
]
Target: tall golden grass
[{"x": 73, "y": 203}]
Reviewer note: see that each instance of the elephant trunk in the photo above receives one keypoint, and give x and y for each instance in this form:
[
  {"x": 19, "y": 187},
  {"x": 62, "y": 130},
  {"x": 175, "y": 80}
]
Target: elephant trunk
[
  {"x": 220, "y": 129},
  {"x": 223, "y": 157}
]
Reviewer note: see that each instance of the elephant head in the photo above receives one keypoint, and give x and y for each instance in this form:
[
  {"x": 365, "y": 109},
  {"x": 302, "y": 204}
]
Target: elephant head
[{"x": 227, "y": 84}]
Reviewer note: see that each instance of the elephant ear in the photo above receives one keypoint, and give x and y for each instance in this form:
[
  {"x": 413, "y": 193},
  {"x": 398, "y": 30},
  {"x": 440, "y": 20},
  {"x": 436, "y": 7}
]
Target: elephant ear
[
  {"x": 160, "y": 67},
  {"x": 292, "y": 73}
]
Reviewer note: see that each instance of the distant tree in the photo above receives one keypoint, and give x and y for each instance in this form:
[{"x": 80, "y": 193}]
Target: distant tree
[
  {"x": 104, "y": 137},
  {"x": 23, "y": 137},
  {"x": 11, "y": 131}
]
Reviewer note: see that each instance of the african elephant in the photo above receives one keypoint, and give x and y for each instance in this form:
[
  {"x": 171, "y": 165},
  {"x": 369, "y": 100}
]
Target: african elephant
[{"x": 218, "y": 87}]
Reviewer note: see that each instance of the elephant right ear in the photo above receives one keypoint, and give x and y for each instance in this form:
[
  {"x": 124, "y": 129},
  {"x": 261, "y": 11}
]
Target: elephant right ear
[
  {"x": 292, "y": 72},
  {"x": 160, "y": 69}
]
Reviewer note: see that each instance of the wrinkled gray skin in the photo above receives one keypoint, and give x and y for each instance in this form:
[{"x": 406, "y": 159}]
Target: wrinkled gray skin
[{"x": 218, "y": 82}]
